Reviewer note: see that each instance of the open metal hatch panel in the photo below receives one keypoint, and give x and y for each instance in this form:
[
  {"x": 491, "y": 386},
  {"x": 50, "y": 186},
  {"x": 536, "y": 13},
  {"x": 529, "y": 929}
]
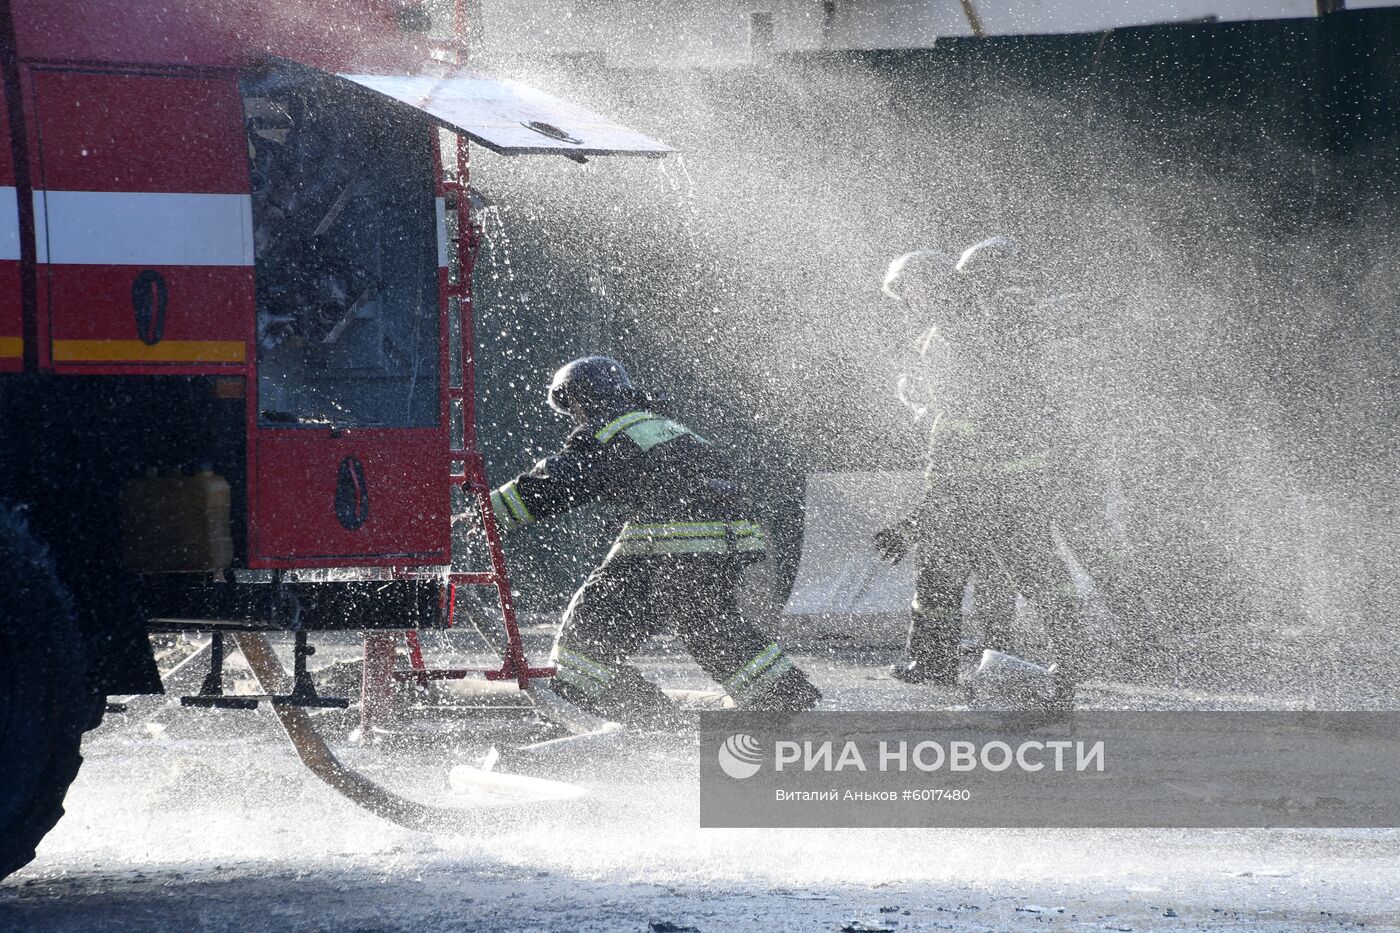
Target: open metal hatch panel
[{"x": 510, "y": 117}]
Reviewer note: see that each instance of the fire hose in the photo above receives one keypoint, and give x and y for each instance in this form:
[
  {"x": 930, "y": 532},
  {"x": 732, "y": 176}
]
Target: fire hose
[
  {"x": 313, "y": 751},
  {"x": 317, "y": 756}
]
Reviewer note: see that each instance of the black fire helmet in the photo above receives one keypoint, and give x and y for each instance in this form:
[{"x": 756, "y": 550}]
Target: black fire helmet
[{"x": 596, "y": 383}]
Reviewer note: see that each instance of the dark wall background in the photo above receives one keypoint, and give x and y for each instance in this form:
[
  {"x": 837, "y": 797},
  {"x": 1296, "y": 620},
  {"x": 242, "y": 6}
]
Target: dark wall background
[{"x": 1219, "y": 198}]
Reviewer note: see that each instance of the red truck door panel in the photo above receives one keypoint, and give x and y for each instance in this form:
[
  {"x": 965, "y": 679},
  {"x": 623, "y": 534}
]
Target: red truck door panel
[
  {"x": 352, "y": 496},
  {"x": 349, "y": 446},
  {"x": 145, "y": 223}
]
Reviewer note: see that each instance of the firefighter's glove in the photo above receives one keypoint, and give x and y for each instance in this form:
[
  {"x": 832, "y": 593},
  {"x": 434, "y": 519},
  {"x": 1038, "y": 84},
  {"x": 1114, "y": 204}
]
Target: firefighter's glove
[{"x": 892, "y": 541}]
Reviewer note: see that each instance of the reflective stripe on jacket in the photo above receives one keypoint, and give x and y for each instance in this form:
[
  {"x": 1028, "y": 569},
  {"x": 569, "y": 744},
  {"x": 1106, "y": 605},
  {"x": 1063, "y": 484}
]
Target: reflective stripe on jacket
[
  {"x": 689, "y": 538},
  {"x": 673, "y": 487}
]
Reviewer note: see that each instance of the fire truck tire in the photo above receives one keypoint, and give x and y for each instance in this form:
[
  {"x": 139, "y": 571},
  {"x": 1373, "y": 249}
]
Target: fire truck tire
[{"x": 44, "y": 700}]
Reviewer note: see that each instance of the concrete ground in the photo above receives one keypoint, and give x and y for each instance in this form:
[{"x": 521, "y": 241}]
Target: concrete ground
[{"x": 183, "y": 820}]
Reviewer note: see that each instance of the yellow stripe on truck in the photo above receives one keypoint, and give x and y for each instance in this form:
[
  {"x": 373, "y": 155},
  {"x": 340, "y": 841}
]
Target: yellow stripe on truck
[
  {"x": 11, "y": 348},
  {"x": 134, "y": 351}
]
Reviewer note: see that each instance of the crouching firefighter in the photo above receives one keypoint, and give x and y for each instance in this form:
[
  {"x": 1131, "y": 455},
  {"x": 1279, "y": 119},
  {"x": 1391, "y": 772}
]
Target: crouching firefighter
[{"x": 687, "y": 537}]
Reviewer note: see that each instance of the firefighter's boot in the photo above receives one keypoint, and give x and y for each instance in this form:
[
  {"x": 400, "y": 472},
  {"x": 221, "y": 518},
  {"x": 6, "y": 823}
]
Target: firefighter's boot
[
  {"x": 931, "y": 652},
  {"x": 790, "y": 693},
  {"x": 619, "y": 693},
  {"x": 770, "y": 682}
]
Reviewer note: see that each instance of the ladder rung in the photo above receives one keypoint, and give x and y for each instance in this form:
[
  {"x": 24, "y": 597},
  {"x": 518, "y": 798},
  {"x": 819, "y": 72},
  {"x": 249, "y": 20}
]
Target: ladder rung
[
  {"x": 461, "y": 673},
  {"x": 478, "y": 578}
]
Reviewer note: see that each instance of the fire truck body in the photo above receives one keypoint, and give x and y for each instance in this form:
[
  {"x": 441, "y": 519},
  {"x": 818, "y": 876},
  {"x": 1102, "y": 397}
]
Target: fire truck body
[
  {"x": 235, "y": 332},
  {"x": 240, "y": 259},
  {"x": 141, "y": 324}
]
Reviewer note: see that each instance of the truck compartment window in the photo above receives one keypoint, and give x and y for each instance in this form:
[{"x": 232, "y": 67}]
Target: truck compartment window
[{"x": 345, "y": 242}]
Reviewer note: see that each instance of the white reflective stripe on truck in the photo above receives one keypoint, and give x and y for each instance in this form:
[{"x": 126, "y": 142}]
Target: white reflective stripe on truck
[{"x": 132, "y": 228}]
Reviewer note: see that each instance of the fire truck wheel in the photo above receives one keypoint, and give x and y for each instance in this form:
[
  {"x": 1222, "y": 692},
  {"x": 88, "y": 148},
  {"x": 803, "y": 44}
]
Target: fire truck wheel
[{"x": 44, "y": 701}]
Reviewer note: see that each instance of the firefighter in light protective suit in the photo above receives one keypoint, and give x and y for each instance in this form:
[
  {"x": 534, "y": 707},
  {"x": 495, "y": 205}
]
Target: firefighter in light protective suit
[
  {"x": 1000, "y": 468},
  {"x": 678, "y": 559}
]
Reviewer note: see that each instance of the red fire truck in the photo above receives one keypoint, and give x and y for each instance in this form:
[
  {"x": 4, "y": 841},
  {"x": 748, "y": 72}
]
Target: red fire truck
[{"x": 235, "y": 344}]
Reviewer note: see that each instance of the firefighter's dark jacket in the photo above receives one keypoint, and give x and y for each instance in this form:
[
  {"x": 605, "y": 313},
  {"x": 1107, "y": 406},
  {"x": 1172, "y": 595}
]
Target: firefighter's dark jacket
[{"x": 674, "y": 489}]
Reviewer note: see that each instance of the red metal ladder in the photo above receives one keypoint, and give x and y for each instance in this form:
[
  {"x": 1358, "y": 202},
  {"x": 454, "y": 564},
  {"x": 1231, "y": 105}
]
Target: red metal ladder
[{"x": 467, "y": 469}]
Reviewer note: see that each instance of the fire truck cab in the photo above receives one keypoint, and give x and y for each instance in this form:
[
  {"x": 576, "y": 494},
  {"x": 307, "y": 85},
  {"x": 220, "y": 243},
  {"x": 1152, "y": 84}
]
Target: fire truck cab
[{"x": 235, "y": 337}]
